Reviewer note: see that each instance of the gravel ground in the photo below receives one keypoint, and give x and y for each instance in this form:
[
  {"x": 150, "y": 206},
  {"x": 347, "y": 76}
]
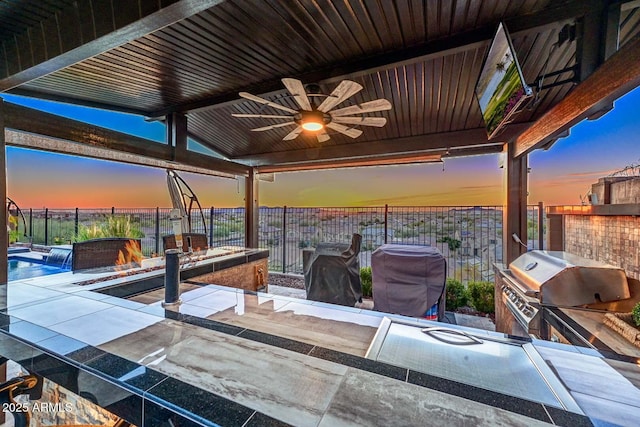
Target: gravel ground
[{"x": 287, "y": 280}]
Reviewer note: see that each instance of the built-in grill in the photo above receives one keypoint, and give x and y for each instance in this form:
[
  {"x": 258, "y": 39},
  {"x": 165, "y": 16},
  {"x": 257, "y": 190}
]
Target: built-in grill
[{"x": 539, "y": 279}]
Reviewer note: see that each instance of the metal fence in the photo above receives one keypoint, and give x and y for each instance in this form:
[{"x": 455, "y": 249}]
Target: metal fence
[{"x": 470, "y": 237}]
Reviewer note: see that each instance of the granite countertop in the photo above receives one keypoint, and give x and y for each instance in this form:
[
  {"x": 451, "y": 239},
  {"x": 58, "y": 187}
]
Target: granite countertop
[{"x": 254, "y": 359}]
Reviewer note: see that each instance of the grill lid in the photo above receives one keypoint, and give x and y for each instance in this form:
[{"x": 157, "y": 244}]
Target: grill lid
[{"x": 561, "y": 278}]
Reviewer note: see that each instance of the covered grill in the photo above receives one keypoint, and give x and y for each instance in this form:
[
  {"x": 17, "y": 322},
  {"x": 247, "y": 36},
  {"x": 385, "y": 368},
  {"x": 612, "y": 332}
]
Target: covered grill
[{"x": 539, "y": 279}]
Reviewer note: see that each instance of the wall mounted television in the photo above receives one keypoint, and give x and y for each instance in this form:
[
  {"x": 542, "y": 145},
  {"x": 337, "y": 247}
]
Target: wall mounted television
[{"x": 501, "y": 88}]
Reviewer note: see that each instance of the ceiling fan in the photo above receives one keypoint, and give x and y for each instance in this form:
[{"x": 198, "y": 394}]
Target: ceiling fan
[{"x": 317, "y": 118}]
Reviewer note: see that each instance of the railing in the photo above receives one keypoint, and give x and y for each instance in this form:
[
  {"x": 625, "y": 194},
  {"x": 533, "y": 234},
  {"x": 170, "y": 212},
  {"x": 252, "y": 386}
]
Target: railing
[{"x": 470, "y": 237}]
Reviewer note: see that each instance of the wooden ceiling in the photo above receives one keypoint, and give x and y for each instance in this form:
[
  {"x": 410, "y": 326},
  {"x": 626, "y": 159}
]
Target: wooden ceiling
[{"x": 194, "y": 57}]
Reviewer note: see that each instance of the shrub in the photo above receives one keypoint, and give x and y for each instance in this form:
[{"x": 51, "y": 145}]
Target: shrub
[
  {"x": 457, "y": 295},
  {"x": 14, "y": 234},
  {"x": 114, "y": 226},
  {"x": 635, "y": 314},
  {"x": 481, "y": 295},
  {"x": 366, "y": 281}
]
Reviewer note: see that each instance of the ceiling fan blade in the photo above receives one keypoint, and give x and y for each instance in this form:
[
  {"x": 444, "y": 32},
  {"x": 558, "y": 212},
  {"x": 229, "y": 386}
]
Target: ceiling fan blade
[
  {"x": 365, "y": 107},
  {"x": 261, "y": 116},
  {"x": 353, "y": 133},
  {"x": 345, "y": 89},
  {"x": 363, "y": 121},
  {"x": 296, "y": 89},
  {"x": 293, "y": 134},
  {"x": 322, "y": 136},
  {"x": 279, "y": 125},
  {"x": 259, "y": 100}
]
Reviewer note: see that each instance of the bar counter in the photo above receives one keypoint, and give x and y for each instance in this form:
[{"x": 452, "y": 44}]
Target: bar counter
[{"x": 233, "y": 357}]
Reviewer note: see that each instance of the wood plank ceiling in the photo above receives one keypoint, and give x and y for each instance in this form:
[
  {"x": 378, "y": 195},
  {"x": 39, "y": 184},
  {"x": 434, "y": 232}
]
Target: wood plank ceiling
[{"x": 423, "y": 56}]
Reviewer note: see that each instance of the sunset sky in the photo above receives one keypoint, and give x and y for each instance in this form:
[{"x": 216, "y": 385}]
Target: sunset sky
[{"x": 558, "y": 176}]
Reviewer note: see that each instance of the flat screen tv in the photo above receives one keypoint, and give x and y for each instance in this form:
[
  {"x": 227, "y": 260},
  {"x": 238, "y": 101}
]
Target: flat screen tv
[{"x": 501, "y": 88}]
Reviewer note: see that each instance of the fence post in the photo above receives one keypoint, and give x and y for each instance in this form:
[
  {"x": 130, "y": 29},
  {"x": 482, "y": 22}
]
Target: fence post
[
  {"x": 113, "y": 210},
  {"x": 30, "y": 225},
  {"x": 211, "y": 226},
  {"x": 157, "y": 230},
  {"x": 386, "y": 222},
  {"x": 46, "y": 226},
  {"x": 540, "y": 225},
  {"x": 76, "y": 223},
  {"x": 284, "y": 239}
]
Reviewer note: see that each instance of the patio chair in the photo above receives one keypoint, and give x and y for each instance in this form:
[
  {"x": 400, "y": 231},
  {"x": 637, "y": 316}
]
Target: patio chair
[
  {"x": 409, "y": 280},
  {"x": 191, "y": 242},
  {"x": 332, "y": 273}
]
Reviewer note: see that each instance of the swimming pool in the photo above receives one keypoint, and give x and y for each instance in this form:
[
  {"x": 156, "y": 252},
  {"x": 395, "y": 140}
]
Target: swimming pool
[{"x": 24, "y": 268}]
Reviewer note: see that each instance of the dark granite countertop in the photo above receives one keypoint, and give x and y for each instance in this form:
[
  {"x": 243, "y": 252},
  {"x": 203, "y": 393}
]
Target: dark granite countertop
[{"x": 217, "y": 360}]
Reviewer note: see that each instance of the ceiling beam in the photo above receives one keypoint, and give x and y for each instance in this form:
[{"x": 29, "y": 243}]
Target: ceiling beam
[
  {"x": 23, "y": 91},
  {"x": 33, "y": 121},
  {"x": 560, "y": 11},
  {"x": 45, "y": 143},
  {"x": 84, "y": 30},
  {"x": 353, "y": 163},
  {"x": 414, "y": 144},
  {"x": 402, "y": 159},
  {"x": 617, "y": 76},
  {"x": 596, "y": 29}
]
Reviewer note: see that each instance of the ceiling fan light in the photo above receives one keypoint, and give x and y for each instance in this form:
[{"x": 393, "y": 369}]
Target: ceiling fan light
[
  {"x": 312, "y": 126},
  {"x": 312, "y": 120}
]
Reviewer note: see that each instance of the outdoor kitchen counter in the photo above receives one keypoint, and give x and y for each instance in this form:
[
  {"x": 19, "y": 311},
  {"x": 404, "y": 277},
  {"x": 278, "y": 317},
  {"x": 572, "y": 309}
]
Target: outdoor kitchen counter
[
  {"x": 190, "y": 365},
  {"x": 592, "y": 321}
]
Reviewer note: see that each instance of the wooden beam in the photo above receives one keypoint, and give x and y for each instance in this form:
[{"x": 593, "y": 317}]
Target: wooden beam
[
  {"x": 560, "y": 11},
  {"x": 612, "y": 32},
  {"x": 353, "y": 163},
  {"x": 515, "y": 209},
  {"x": 45, "y": 143},
  {"x": 23, "y": 91},
  {"x": 176, "y": 124},
  {"x": 41, "y": 123},
  {"x": 251, "y": 210},
  {"x": 4, "y": 234},
  {"x": 591, "y": 40},
  {"x": 414, "y": 144},
  {"x": 617, "y": 76},
  {"x": 54, "y": 45}
]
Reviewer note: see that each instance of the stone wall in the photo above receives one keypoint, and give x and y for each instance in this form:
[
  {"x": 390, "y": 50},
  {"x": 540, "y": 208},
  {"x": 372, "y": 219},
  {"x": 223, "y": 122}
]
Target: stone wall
[
  {"x": 252, "y": 276},
  {"x": 616, "y": 191},
  {"x": 626, "y": 191},
  {"x": 611, "y": 239}
]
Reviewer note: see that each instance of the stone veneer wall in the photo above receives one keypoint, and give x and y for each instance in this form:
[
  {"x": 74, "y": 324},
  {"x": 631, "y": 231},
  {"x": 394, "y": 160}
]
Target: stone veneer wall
[{"x": 611, "y": 239}]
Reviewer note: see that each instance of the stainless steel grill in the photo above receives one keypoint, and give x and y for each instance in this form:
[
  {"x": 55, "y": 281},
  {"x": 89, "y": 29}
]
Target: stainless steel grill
[{"x": 552, "y": 278}]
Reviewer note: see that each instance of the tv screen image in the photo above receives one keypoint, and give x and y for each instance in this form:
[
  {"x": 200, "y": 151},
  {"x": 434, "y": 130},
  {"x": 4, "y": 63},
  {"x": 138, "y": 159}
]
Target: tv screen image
[{"x": 501, "y": 88}]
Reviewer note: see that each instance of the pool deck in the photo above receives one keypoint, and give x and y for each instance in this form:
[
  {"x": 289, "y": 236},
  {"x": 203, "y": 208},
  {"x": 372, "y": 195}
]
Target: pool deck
[{"x": 232, "y": 357}]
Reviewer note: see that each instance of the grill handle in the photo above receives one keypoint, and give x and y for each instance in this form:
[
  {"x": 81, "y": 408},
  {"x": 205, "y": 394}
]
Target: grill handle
[{"x": 429, "y": 331}]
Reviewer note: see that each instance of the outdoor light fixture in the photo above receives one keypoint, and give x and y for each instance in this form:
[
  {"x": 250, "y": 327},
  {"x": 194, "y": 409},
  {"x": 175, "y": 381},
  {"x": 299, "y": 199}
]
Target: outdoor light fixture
[{"x": 312, "y": 120}]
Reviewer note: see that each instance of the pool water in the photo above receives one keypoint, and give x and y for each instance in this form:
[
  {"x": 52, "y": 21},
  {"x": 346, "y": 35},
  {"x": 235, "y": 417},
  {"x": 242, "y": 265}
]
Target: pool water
[{"x": 24, "y": 268}]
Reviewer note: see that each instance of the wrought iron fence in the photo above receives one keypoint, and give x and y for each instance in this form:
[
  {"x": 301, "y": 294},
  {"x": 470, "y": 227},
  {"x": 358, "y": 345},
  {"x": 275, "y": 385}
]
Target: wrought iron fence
[{"x": 470, "y": 237}]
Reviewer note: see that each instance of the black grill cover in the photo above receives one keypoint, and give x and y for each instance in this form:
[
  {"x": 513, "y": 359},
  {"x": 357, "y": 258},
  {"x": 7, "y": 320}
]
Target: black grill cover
[
  {"x": 332, "y": 273},
  {"x": 408, "y": 279}
]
